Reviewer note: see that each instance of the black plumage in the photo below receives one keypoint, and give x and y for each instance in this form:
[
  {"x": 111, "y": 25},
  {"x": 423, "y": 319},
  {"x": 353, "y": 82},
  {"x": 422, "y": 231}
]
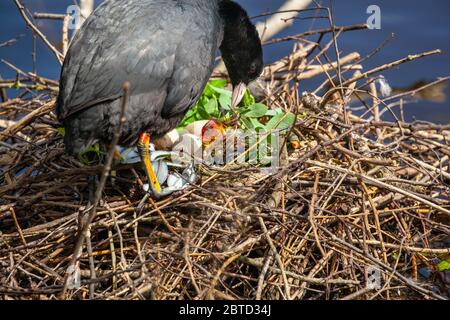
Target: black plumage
[{"x": 166, "y": 49}]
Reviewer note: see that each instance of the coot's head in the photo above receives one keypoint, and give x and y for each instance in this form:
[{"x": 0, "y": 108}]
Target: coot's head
[{"x": 241, "y": 48}]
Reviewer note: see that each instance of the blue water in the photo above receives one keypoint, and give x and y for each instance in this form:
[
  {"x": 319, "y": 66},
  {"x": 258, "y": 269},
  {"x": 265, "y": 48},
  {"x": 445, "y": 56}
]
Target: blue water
[{"x": 418, "y": 26}]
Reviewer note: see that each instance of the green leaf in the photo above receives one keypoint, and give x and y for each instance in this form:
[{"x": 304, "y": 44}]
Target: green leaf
[
  {"x": 274, "y": 112},
  {"x": 208, "y": 92},
  {"x": 190, "y": 117},
  {"x": 91, "y": 154},
  {"x": 257, "y": 110},
  {"x": 256, "y": 124},
  {"x": 215, "y": 102},
  {"x": 248, "y": 99},
  {"x": 220, "y": 83},
  {"x": 190, "y": 114},
  {"x": 444, "y": 265},
  {"x": 287, "y": 122},
  {"x": 201, "y": 113},
  {"x": 281, "y": 122},
  {"x": 225, "y": 101},
  {"x": 221, "y": 91},
  {"x": 61, "y": 131},
  {"x": 211, "y": 107},
  {"x": 246, "y": 123}
]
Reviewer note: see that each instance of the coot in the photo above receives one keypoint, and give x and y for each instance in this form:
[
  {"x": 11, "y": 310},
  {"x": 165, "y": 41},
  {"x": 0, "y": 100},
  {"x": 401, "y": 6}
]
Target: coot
[{"x": 166, "y": 50}]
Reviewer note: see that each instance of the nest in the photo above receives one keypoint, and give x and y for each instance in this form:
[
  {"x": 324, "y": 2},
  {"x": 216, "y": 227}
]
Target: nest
[{"x": 358, "y": 207}]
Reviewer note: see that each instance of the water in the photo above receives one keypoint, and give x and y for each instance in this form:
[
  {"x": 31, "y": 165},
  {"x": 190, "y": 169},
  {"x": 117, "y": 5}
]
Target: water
[{"x": 418, "y": 26}]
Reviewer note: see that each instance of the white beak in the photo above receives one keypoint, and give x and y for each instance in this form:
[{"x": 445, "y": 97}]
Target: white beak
[{"x": 238, "y": 94}]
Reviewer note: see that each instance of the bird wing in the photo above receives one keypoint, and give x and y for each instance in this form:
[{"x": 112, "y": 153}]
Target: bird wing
[
  {"x": 193, "y": 64},
  {"x": 150, "y": 43}
]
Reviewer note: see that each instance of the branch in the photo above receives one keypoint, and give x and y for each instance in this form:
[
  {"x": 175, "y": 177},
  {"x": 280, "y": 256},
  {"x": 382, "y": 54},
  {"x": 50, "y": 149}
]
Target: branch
[
  {"x": 30, "y": 24},
  {"x": 282, "y": 20}
]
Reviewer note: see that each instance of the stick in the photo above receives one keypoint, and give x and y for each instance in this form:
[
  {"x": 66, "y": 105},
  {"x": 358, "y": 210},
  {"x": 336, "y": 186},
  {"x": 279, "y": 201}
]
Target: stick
[
  {"x": 30, "y": 24},
  {"x": 380, "y": 184},
  {"x": 19, "y": 125},
  {"x": 378, "y": 70}
]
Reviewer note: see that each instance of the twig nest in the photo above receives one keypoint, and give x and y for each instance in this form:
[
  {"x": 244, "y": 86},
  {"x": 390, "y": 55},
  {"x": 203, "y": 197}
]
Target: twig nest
[{"x": 311, "y": 101}]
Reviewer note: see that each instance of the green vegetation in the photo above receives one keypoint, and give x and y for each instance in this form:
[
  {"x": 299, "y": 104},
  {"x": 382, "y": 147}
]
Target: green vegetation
[
  {"x": 216, "y": 103},
  {"x": 91, "y": 155},
  {"x": 444, "y": 265}
]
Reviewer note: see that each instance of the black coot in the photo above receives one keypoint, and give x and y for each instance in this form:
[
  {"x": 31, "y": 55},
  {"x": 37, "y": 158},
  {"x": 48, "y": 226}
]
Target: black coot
[{"x": 166, "y": 50}]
